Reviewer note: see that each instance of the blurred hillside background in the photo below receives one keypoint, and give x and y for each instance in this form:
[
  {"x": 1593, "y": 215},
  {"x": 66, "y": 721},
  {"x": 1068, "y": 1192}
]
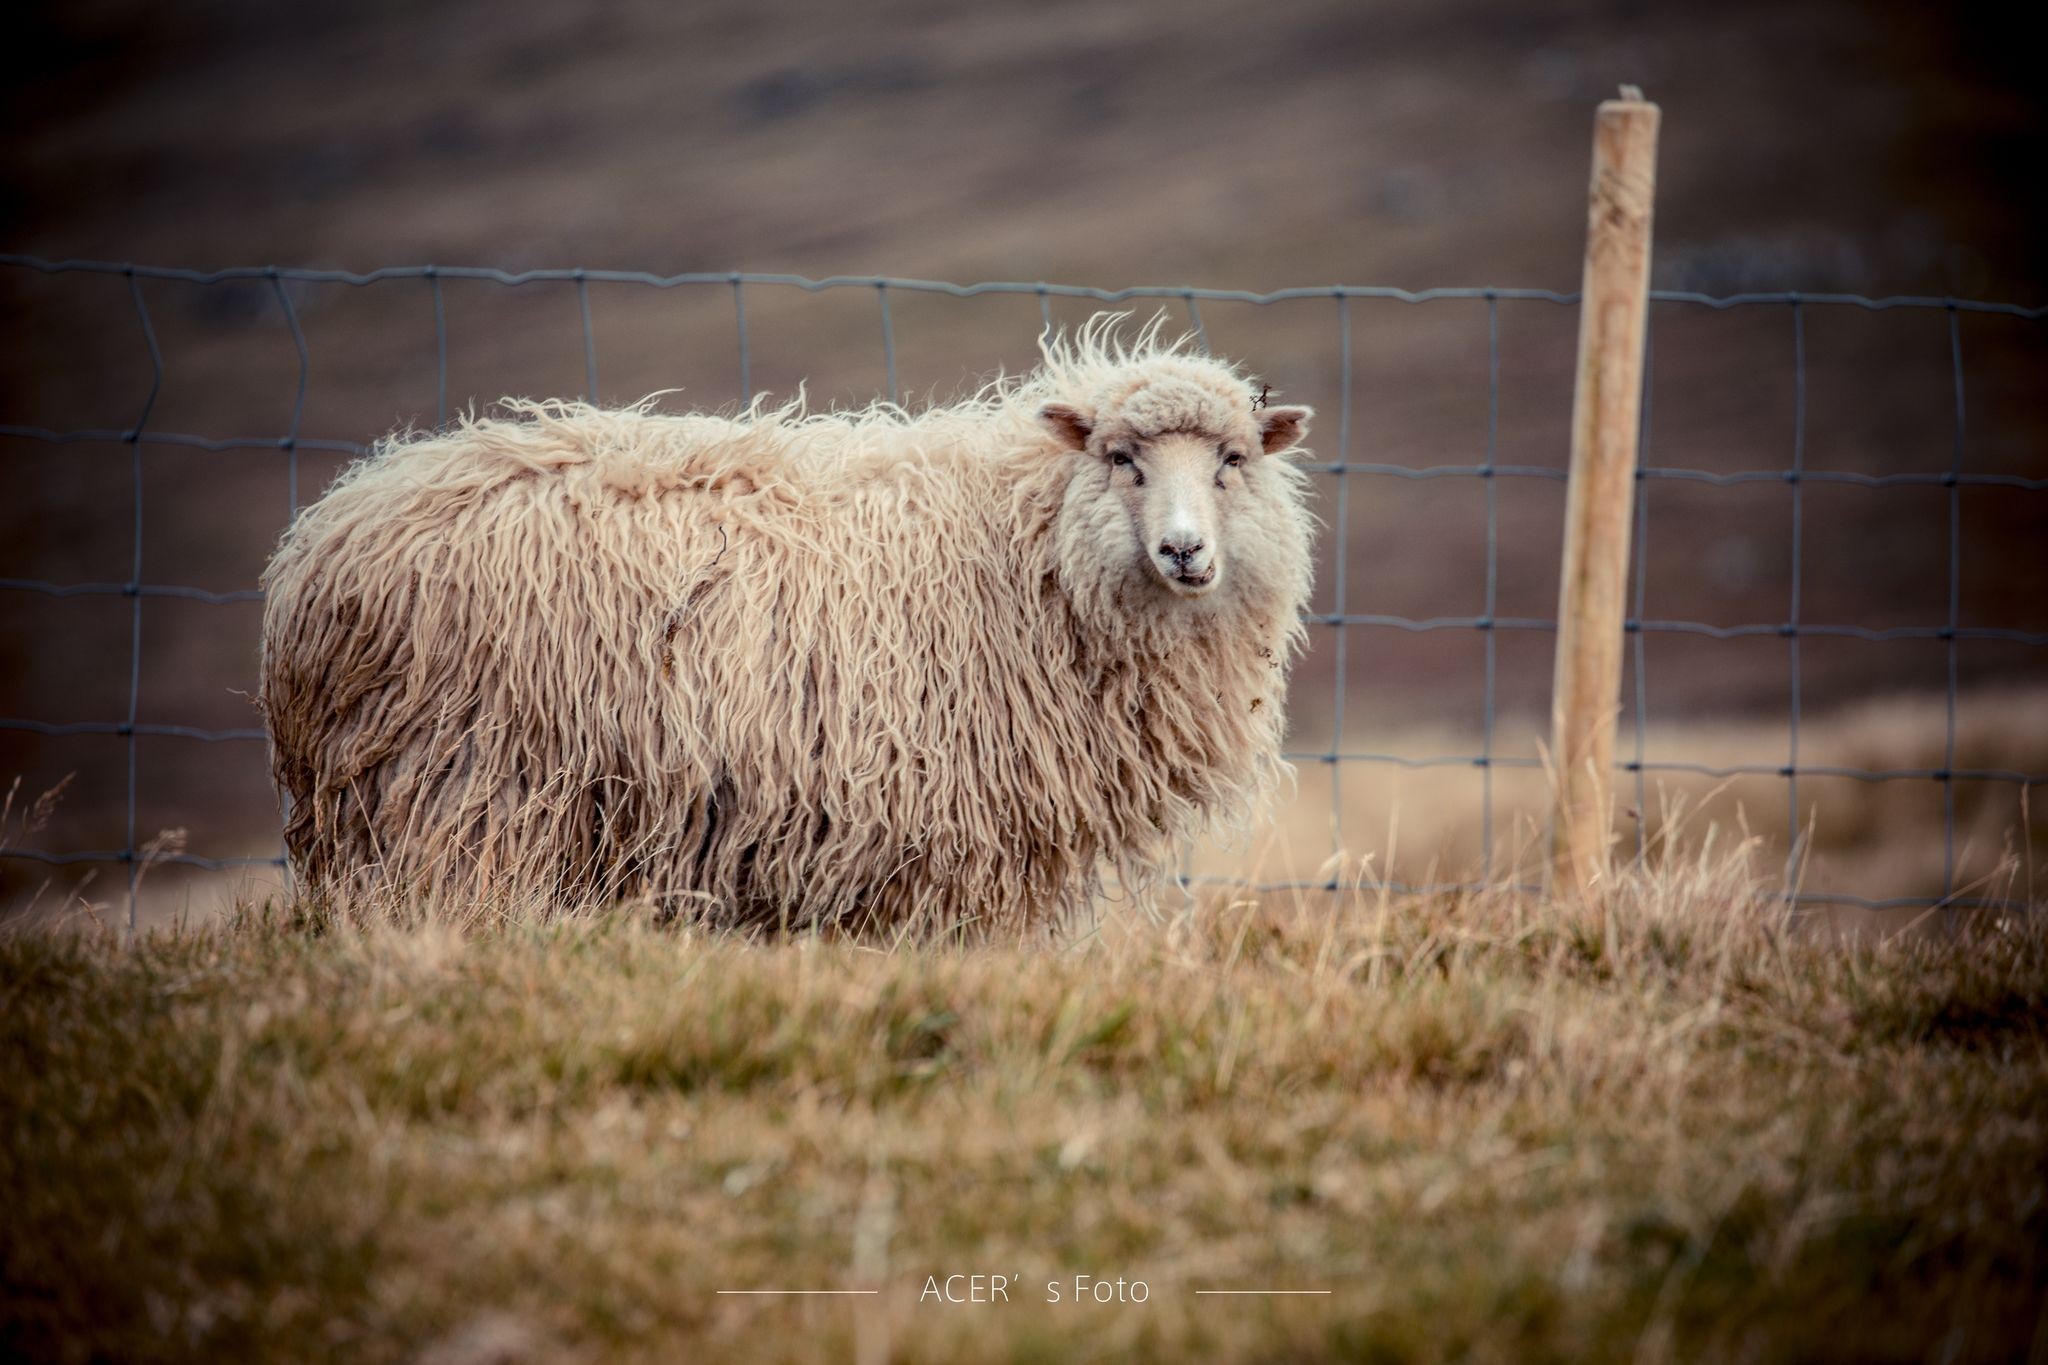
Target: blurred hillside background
[{"x": 1871, "y": 148}]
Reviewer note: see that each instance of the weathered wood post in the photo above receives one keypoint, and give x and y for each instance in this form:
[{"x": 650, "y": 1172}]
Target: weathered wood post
[{"x": 1613, "y": 312}]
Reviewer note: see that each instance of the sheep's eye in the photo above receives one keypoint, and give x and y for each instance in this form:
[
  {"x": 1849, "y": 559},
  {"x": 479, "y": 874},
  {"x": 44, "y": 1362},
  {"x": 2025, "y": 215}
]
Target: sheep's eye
[
  {"x": 1119, "y": 457},
  {"x": 1235, "y": 459}
]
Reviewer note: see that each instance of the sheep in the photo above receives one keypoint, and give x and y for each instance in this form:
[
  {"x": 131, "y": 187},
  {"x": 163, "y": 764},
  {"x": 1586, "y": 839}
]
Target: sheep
[{"x": 871, "y": 671}]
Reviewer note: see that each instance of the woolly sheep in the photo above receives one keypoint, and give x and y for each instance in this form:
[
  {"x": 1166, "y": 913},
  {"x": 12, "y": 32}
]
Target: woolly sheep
[{"x": 861, "y": 670}]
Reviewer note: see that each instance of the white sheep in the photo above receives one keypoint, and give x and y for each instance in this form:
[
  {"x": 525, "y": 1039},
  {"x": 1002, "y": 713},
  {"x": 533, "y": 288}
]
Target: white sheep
[{"x": 864, "y": 670}]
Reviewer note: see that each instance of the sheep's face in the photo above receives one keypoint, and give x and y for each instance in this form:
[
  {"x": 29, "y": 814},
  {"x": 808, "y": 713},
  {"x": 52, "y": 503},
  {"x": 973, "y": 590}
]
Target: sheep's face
[{"x": 1173, "y": 480}]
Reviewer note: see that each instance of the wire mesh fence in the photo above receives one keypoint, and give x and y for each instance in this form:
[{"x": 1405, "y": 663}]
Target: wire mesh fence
[{"x": 1341, "y": 611}]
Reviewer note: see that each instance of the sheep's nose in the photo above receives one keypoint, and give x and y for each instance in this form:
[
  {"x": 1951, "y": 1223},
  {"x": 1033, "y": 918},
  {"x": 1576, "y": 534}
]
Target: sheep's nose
[{"x": 1182, "y": 550}]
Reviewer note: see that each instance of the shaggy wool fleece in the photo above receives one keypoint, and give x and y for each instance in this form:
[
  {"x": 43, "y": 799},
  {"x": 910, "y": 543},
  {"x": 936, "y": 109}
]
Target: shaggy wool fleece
[{"x": 868, "y": 670}]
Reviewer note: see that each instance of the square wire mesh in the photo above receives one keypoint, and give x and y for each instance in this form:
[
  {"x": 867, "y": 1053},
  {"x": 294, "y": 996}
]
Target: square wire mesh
[{"x": 1340, "y": 619}]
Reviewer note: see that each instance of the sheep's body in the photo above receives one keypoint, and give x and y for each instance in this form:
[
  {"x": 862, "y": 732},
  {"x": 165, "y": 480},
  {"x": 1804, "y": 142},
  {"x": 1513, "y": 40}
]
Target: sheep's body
[{"x": 847, "y": 669}]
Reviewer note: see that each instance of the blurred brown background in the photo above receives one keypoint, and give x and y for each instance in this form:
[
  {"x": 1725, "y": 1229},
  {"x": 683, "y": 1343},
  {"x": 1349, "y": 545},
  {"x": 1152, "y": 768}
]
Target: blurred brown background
[{"x": 1873, "y": 148}]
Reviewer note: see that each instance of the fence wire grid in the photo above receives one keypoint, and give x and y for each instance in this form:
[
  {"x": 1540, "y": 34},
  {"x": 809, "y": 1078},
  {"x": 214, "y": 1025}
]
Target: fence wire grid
[{"x": 138, "y": 434}]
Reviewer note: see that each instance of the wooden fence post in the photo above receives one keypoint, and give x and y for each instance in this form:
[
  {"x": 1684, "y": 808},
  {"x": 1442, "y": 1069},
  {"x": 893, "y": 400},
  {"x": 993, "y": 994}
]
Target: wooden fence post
[{"x": 1606, "y": 407}]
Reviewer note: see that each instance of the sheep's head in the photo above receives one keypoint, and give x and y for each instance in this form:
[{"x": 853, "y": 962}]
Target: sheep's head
[{"x": 1174, "y": 475}]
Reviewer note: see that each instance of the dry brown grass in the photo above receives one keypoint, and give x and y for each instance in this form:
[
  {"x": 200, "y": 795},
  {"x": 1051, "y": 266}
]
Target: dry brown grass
[
  {"x": 1876, "y": 840},
  {"x": 1670, "y": 1125}
]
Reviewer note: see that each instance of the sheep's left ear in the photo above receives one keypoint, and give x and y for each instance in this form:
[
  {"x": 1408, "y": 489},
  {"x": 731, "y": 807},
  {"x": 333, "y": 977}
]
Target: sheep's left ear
[
  {"x": 1283, "y": 428},
  {"x": 1068, "y": 423}
]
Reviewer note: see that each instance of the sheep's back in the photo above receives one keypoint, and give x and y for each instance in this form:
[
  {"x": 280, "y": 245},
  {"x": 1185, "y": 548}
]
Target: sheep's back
[{"x": 597, "y": 669}]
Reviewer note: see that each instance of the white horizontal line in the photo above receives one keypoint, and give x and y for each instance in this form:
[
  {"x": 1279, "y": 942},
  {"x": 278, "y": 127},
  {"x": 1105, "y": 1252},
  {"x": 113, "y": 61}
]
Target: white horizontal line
[
  {"x": 1262, "y": 1291},
  {"x": 799, "y": 1291}
]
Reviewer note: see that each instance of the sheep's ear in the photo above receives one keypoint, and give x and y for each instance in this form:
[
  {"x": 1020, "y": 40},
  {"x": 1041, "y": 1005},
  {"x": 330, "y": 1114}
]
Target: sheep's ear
[
  {"x": 1281, "y": 428},
  {"x": 1069, "y": 424}
]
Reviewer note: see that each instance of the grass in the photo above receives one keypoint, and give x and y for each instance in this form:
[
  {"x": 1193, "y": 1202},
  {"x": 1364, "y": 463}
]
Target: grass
[
  {"x": 1877, "y": 840},
  {"x": 1670, "y": 1125}
]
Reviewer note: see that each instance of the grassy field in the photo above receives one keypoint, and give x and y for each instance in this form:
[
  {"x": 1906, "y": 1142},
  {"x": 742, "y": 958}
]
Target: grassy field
[{"x": 1668, "y": 1126}]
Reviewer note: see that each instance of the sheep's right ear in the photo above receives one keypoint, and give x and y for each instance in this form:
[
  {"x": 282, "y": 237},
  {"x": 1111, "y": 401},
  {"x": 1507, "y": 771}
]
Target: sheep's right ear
[{"x": 1069, "y": 424}]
